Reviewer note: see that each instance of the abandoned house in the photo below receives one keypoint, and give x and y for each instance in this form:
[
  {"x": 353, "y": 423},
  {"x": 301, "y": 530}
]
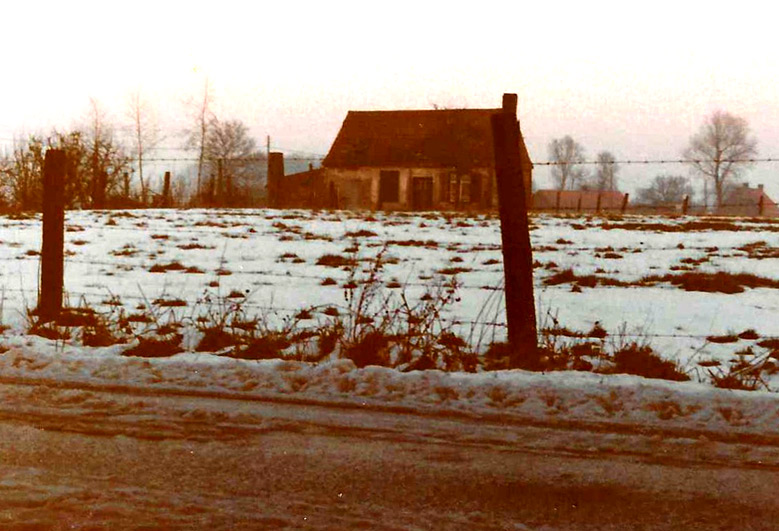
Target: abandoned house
[
  {"x": 403, "y": 160},
  {"x": 746, "y": 201},
  {"x": 579, "y": 200}
]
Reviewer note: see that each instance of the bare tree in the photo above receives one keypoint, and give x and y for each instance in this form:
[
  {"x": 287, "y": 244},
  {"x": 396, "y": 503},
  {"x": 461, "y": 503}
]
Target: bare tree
[
  {"x": 107, "y": 159},
  {"x": 665, "y": 190},
  {"x": 146, "y": 133},
  {"x": 605, "y": 178},
  {"x": 22, "y": 172},
  {"x": 77, "y": 184},
  {"x": 197, "y": 136},
  {"x": 567, "y": 155},
  {"x": 236, "y": 164},
  {"x": 721, "y": 151}
]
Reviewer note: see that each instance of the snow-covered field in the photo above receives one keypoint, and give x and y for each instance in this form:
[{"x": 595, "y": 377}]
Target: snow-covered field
[
  {"x": 270, "y": 257},
  {"x": 572, "y": 400}
]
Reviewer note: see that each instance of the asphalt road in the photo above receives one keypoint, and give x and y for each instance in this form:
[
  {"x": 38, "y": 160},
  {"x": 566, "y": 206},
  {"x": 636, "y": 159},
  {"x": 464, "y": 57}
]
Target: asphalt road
[{"x": 87, "y": 459}]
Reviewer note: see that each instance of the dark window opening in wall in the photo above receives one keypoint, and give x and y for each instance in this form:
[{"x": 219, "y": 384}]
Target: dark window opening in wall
[
  {"x": 443, "y": 188},
  {"x": 465, "y": 189},
  {"x": 475, "y": 189},
  {"x": 453, "y": 189},
  {"x": 389, "y": 186}
]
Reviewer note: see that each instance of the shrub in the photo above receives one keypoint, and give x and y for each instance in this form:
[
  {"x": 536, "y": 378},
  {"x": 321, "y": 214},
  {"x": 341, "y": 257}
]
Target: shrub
[
  {"x": 156, "y": 347},
  {"x": 749, "y": 334},
  {"x": 215, "y": 338},
  {"x": 743, "y": 373},
  {"x": 728, "y": 338},
  {"x": 261, "y": 348},
  {"x": 597, "y": 331},
  {"x": 641, "y": 360},
  {"x": 369, "y": 349},
  {"x": 770, "y": 343}
]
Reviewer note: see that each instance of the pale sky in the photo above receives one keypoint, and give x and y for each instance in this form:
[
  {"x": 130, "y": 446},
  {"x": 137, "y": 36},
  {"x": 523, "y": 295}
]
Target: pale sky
[{"x": 637, "y": 81}]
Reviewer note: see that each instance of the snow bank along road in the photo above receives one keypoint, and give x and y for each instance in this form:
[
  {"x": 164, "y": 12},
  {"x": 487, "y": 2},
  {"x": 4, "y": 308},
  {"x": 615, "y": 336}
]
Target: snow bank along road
[{"x": 81, "y": 454}]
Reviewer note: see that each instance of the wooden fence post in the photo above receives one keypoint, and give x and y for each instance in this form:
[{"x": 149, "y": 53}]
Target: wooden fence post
[
  {"x": 166, "y": 190},
  {"x": 126, "y": 185},
  {"x": 53, "y": 246},
  {"x": 220, "y": 188},
  {"x": 515, "y": 236},
  {"x": 760, "y": 205},
  {"x": 685, "y": 205},
  {"x": 597, "y": 204},
  {"x": 579, "y": 203},
  {"x": 557, "y": 201},
  {"x": 624, "y": 203}
]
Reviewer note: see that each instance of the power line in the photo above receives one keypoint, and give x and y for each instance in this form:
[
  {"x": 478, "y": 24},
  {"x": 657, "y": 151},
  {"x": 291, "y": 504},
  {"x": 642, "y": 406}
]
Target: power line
[{"x": 654, "y": 161}]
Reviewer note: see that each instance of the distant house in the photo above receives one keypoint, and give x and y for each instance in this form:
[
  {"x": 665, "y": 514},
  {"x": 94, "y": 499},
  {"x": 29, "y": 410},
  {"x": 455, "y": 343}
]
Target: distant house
[
  {"x": 404, "y": 160},
  {"x": 746, "y": 201},
  {"x": 578, "y": 200}
]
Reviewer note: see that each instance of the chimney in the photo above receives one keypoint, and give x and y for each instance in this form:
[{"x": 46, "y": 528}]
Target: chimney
[{"x": 275, "y": 175}]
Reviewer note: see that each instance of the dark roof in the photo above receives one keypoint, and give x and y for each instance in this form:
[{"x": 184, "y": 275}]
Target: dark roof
[{"x": 458, "y": 138}]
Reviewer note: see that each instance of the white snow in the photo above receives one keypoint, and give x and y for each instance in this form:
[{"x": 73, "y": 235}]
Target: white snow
[{"x": 560, "y": 398}]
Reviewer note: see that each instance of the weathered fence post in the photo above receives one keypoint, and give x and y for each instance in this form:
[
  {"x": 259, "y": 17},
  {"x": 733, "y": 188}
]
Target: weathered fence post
[
  {"x": 624, "y": 203},
  {"x": 760, "y": 205},
  {"x": 579, "y": 203},
  {"x": 597, "y": 204},
  {"x": 53, "y": 245},
  {"x": 685, "y": 205},
  {"x": 557, "y": 202},
  {"x": 99, "y": 184},
  {"x": 126, "y": 185},
  {"x": 166, "y": 200},
  {"x": 220, "y": 187},
  {"x": 275, "y": 175},
  {"x": 515, "y": 236}
]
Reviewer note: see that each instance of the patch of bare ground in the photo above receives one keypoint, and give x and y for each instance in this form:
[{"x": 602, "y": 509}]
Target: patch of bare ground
[
  {"x": 719, "y": 282},
  {"x": 453, "y": 270},
  {"x": 164, "y": 268},
  {"x": 194, "y": 245},
  {"x": 769, "y": 343},
  {"x": 335, "y": 260},
  {"x": 727, "y": 338},
  {"x": 567, "y": 276},
  {"x": 414, "y": 243},
  {"x": 687, "y": 226},
  {"x": 127, "y": 250},
  {"x": 362, "y": 233},
  {"x": 759, "y": 250}
]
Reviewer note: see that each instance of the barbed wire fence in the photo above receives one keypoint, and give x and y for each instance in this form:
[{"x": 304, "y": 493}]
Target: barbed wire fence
[
  {"x": 271, "y": 276},
  {"x": 102, "y": 295},
  {"x": 180, "y": 162}
]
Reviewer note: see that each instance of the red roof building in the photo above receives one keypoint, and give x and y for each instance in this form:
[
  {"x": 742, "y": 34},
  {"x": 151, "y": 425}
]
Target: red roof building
[
  {"x": 411, "y": 160},
  {"x": 748, "y": 202},
  {"x": 579, "y": 200}
]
